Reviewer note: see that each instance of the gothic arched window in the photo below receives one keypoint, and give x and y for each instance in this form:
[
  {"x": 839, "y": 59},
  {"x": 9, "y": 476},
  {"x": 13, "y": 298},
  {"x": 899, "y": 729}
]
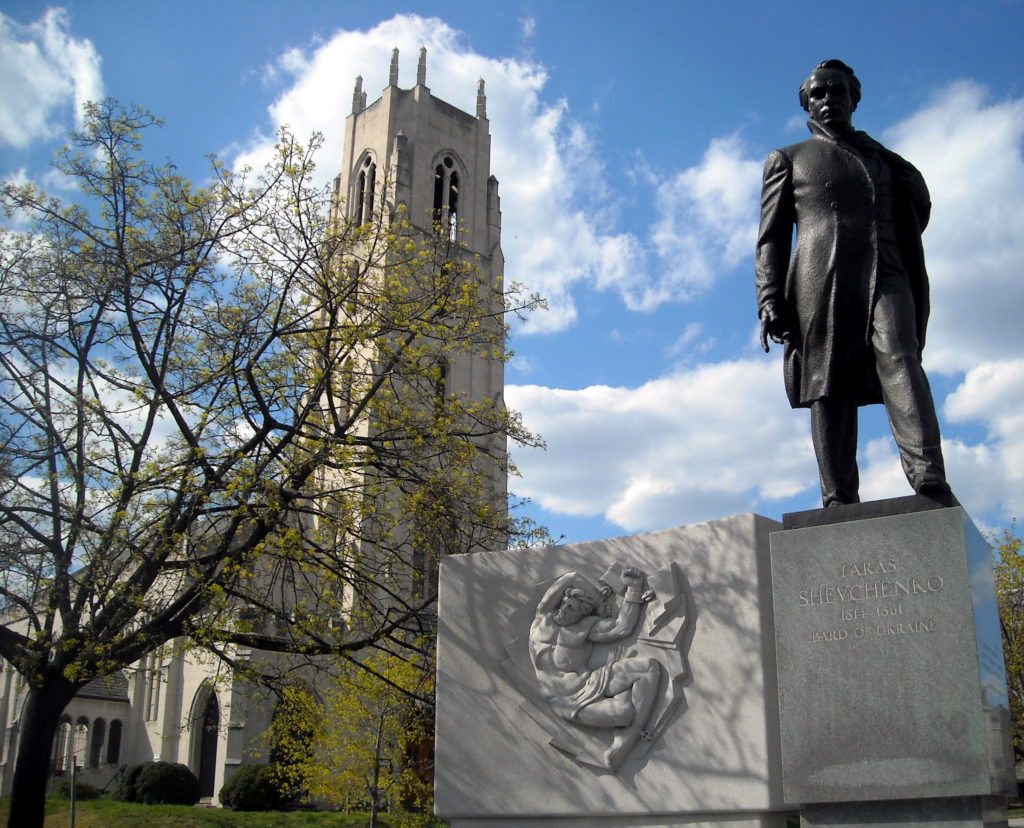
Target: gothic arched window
[
  {"x": 99, "y": 735},
  {"x": 366, "y": 183},
  {"x": 446, "y": 197},
  {"x": 81, "y": 747},
  {"x": 156, "y": 677},
  {"x": 62, "y": 746},
  {"x": 114, "y": 742}
]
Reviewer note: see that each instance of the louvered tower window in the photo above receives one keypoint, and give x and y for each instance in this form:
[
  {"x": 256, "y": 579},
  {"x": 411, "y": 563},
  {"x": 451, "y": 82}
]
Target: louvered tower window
[
  {"x": 366, "y": 183},
  {"x": 446, "y": 197}
]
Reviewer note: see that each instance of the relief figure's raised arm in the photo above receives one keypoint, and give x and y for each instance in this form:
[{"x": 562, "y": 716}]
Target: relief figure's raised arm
[
  {"x": 617, "y": 694},
  {"x": 624, "y": 623}
]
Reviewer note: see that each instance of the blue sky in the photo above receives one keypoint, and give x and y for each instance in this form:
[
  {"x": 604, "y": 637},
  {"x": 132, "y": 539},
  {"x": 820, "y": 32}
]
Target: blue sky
[{"x": 628, "y": 140}]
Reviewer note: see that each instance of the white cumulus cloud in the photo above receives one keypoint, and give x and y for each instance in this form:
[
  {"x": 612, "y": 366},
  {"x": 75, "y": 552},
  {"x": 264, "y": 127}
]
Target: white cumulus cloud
[
  {"x": 969, "y": 148},
  {"x": 707, "y": 221},
  {"x": 44, "y": 73},
  {"x": 703, "y": 442},
  {"x": 992, "y": 394}
]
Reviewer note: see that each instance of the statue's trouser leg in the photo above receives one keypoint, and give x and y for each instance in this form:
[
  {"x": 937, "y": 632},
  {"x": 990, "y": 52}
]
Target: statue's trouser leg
[
  {"x": 905, "y": 389},
  {"x": 834, "y": 434}
]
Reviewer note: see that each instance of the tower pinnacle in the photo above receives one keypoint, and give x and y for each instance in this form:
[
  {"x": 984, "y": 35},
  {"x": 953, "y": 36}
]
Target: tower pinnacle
[
  {"x": 393, "y": 74},
  {"x": 481, "y": 100},
  {"x": 421, "y": 68},
  {"x": 358, "y": 97}
]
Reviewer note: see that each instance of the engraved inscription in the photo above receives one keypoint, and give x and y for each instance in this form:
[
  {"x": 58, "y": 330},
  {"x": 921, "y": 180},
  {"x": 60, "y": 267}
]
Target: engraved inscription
[
  {"x": 869, "y": 590},
  {"x": 870, "y": 599}
]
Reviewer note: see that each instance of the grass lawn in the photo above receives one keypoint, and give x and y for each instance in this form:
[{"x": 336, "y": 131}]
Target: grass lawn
[{"x": 106, "y": 813}]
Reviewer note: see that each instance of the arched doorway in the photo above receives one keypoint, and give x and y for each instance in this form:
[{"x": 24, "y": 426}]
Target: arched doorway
[{"x": 208, "y": 722}]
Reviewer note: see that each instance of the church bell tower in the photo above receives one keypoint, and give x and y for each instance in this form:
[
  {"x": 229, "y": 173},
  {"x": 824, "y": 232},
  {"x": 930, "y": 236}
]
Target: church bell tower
[{"x": 414, "y": 152}]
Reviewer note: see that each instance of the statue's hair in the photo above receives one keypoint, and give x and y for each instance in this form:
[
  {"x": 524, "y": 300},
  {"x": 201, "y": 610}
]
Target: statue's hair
[
  {"x": 839, "y": 66},
  {"x": 582, "y": 596}
]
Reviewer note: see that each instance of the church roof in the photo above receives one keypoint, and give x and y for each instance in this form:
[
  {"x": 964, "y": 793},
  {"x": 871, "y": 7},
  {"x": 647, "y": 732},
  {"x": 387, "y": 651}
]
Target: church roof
[{"x": 108, "y": 688}]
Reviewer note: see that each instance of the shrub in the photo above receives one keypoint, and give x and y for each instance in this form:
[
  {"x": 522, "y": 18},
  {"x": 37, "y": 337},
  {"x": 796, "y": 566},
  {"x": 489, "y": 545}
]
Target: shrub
[
  {"x": 252, "y": 788},
  {"x": 83, "y": 790},
  {"x": 159, "y": 783},
  {"x": 125, "y": 790}
]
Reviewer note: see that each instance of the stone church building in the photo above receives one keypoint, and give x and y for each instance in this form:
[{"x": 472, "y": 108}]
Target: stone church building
[{"x": 406, "y": 148}]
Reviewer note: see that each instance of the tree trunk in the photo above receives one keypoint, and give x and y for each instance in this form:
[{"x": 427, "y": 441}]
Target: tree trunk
[
  {"x": 39, "y": 721},
  {"x": 374, "y": 805}
]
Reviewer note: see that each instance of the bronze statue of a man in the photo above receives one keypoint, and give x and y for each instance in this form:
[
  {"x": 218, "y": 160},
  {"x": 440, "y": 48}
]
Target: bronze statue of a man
[{"x": 851, "y": 305}]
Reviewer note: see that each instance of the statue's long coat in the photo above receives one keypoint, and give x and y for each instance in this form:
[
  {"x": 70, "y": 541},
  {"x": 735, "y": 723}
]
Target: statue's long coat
[{"x": 826, "y": 291}]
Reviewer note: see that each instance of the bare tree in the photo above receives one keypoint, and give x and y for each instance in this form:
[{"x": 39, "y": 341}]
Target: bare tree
[{"x": 219, "y": 407}]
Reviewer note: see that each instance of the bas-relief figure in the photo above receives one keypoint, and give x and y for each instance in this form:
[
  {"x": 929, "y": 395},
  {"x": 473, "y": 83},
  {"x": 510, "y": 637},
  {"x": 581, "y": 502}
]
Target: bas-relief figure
[
  {"x": 851, "y": 304},
  {"x": 603, "y": 676},
  {"x": 618, "y": 693}
]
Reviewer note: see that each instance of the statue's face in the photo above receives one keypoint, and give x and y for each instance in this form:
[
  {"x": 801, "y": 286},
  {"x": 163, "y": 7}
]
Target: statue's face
[
  {"x": 829, "y": 101},
  {"x": 570, "y": 611}
]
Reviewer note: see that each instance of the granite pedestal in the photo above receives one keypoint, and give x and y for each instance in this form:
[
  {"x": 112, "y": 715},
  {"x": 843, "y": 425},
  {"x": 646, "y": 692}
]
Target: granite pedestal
[
  {"x": 502, "y": 759},
  {"x": 891, "y": 677}
]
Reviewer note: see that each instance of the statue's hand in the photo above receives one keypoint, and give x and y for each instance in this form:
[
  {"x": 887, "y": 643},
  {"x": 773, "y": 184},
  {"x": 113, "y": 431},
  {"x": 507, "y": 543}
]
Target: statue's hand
[
  {"x": 772, "y": 326},
  {"x": 632, "y": 577}
]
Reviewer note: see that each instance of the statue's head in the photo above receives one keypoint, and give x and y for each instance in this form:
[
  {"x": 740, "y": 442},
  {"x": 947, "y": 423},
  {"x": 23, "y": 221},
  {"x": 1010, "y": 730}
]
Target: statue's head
[
  {"x": 831, "y": 94},
  {"x": 576, "y": 605}
]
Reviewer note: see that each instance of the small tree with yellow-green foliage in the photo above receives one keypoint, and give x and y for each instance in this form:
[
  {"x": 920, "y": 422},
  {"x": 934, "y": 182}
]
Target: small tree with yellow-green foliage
[{"x": 364, "y": 740}]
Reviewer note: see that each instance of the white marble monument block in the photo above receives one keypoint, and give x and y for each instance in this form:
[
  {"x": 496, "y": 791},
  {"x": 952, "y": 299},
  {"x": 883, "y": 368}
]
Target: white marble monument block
[{"x": 627, "y": 681}]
